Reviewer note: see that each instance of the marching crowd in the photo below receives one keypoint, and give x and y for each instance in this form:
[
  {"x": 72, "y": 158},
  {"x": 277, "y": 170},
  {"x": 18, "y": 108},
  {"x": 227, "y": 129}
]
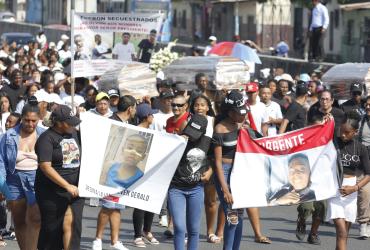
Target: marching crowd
[{"x": 40, "y": 151}]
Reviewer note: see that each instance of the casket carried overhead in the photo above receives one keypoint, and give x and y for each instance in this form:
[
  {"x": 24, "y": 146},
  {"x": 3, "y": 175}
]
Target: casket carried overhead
[
  {"x": 132, "y": 78},
  {"x": 224, "y": 72},
  {"x": 340, "y": 77}
]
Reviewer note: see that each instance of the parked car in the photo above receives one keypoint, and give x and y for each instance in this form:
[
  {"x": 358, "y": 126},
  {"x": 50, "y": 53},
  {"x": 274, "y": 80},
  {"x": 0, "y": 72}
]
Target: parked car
[
  {"x": 7, "y": 16},
  {"x": 21, "y": 38}
]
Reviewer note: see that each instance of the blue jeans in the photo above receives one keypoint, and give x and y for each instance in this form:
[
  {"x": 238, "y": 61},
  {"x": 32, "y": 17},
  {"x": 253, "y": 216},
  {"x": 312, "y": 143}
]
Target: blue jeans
[
  {"x": 186, "y": 206},
  {"x": 232, "y": 233}
]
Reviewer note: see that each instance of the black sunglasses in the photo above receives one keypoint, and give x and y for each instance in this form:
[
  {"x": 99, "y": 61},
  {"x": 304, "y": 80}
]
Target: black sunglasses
[{"x": 179, "y": 105}]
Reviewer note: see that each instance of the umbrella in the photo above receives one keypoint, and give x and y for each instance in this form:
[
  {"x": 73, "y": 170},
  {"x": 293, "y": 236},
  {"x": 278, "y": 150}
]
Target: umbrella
[{"x": 236, "y": 50}]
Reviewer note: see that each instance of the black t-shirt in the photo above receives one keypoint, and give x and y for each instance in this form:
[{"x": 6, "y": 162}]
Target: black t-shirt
[
  {"x": 337, "y": 114},
  {"x": 296, "y": 115},
  {"x": 351, "y": 105},
  {"x": 192, "y": 164},
  {"x": 15, "y": 94},
  {"x": 353, "y": 155},
  {"x": 87, "y": 106},
  {"x": 64, "y": 153},
  {"x": 147, "y": 48}
]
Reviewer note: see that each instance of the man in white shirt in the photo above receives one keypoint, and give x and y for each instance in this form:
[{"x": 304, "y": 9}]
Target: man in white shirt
[
  {"x": 124, "y": 51},
  {"x": 273, "y": 110},
  {"x": 100, "y": 49},
  {"x": 319, "y": 24},
  {"x": 165, "y": 111},
  {"x": 212, "y": 42},
  {"x": 258, "y": 109}
]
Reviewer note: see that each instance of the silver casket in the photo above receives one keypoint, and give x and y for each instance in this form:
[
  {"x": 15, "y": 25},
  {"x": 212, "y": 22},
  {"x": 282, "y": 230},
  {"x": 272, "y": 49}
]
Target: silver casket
[
  {"x": 224, "y": 72},
  {"x": 340, "y": 77}
]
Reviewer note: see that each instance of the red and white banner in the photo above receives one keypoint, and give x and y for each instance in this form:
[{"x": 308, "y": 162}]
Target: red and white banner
[{"x": 287, "y": 169}]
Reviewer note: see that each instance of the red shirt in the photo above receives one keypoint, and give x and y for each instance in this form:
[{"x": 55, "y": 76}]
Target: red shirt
[{"x": 173, "y": 126}]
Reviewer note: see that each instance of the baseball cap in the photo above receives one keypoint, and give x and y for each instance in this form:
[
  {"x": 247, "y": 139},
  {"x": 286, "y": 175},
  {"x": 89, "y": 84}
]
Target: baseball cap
[
  {"x": 301, "y": 90},
  {"x": 42, "y": 96},
  {"x": 100, "y": 96},
  {"x": 304, "y": 77},
  {"x": 166, "y": 94},
  {"x": 235, "y": 101},
  {"x": 64, "y": 37},
  {"x": 356, "y": 87},
  {"x": 196, "y": 127},
  {"x": 113, "y": 92},
  {"x": 144, "y": 110},
  {"x": 251, "y": 87},
  {"x": 54, "y": 98},
  {"x": 286, "y": 77},
  {"x": 52, "y": 44},
  {"x": 64, "y": 113},
  {"x": 212, "y": 38}
]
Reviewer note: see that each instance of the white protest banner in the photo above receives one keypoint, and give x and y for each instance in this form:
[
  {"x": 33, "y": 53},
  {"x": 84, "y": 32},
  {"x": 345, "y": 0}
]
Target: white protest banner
[
  {"x": 126, "y": 164},
  {"x": 287, "y": 169},
  {"x": 96, "y": 34}
]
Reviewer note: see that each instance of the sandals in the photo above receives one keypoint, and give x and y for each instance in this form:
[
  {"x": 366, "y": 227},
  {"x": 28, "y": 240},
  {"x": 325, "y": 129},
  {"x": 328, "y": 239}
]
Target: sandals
[
  {"x": 138, "y": 242},
  {"x": 262, "y": 240},
  {"x": 212, "y": 238},
  {"x": 150, "y": 238}
]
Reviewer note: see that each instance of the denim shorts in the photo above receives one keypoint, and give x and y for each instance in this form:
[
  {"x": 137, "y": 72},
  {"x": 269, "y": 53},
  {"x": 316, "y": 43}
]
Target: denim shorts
[
  {"x": 111, "y": 205},
  {"x": 21, "y": 185}
]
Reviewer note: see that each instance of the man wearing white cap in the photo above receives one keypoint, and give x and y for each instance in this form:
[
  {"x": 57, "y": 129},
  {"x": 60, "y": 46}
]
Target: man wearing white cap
[
  {"x": 212, "y": 42},
  {"x": 63, "y": 39}
]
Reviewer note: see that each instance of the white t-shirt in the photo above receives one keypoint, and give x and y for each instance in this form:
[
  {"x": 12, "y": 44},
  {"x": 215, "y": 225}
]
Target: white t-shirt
[
  {"x": 259, "y": 114},
  {"x": 124, "y": 51},
  {"x": 160, "y": 120},
  {"x": 67, "y": 99},
  {"x": 274, "y": 111}
]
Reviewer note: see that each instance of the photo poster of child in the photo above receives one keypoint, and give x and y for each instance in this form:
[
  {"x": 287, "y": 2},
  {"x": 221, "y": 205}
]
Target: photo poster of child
[{"x": 125, "y": 157}]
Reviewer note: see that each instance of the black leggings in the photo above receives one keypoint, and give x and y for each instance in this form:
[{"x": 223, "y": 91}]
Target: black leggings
[
  {"x": 52, "y": 209},
  {"x": 140, "y": 217}
]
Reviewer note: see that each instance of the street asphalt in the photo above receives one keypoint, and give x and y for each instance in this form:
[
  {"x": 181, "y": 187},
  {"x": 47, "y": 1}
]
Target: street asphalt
[{"x": 278, "y": 223}]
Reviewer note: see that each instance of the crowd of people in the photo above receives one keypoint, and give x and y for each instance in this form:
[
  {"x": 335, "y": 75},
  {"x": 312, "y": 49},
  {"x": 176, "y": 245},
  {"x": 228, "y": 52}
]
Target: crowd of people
[{"x": 40, "y": 150}]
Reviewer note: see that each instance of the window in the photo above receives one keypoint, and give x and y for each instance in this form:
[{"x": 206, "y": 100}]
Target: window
[
  {"x": 174, "y": 18},
  {"x": 336, "y": 19},
  {"x": 350, "y": 26},
  {"x": 331, "y": 31},
  {"x": 183, "y": 19}
]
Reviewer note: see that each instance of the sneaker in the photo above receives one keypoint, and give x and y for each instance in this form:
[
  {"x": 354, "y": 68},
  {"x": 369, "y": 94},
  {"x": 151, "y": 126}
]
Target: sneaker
[
  {"x": 314, "y": 239},
  {"x": 163, "y": 221},
  {"x": 168, "y": 233},
  {"x": 300, "y": 231},
  {"x": 364, "y": 232},
  {"x": 119, "y": 246},
  {"x": 97, "y": 244},
  {"x": 9, "y": 235}
]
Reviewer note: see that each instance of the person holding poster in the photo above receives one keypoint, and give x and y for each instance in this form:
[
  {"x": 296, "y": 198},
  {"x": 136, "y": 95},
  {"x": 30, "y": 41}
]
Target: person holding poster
[
  {"x": 141, "y": 219},
  {"x": 58, "y": 150},
  {"x": 111, "y": 211},
  {"x": 186, "y": 192},
  {"x": 354, "y": 159},
  {"x": 225, "y": 140}
]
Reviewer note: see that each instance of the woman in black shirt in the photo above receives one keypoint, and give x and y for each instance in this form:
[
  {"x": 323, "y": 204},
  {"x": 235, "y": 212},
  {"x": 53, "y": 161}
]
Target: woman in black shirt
[
  {"x": 353, "y": 158},
  {"x": 58, "y": 152}
]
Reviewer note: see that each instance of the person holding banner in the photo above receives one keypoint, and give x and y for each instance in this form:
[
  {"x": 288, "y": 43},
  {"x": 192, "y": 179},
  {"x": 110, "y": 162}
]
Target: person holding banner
[
  {"x": 18, "y": 164},
  {"x": 353, "y": 159},
  {"x": 141, "y": 219},
  {"x": 58, "y": 151},
  {"x": 111, "y": 211},
  {"x": 225, "y": 140},
  {"x": 186, "y": 191}
]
